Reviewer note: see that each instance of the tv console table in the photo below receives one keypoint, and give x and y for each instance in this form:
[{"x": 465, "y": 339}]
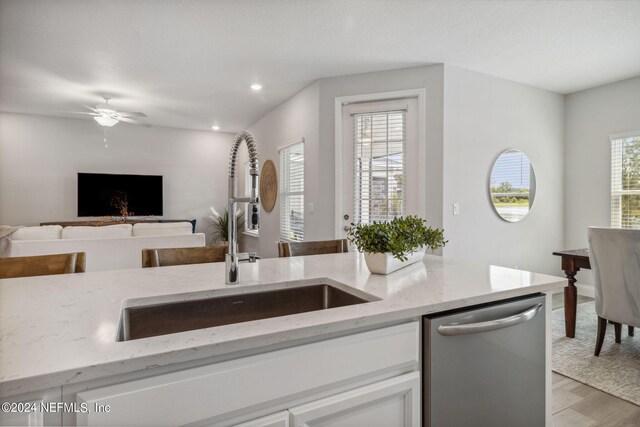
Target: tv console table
[{"x": 98, "y": 222}]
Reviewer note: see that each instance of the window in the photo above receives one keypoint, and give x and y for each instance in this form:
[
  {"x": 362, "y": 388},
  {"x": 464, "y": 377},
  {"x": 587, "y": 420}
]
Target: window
[
  {"x": 379, "y": 165},
  {"x": 247, "y": 193},
  {"x": 292, "y": 191},
  {"x": 625, "y": 182}
]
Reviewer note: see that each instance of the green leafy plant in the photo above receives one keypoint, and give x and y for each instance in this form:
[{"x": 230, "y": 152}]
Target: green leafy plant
[
  {"x": 221, "y": 224},
  {"x": 400, "y": 237}
]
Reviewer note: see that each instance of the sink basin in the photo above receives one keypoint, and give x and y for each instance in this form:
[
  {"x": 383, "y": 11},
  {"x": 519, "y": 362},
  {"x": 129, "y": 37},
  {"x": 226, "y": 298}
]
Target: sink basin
[{"x": 153, "y": 319}]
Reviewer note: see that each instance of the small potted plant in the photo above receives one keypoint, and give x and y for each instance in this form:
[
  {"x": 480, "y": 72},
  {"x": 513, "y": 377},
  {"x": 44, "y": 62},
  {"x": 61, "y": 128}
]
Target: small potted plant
[
  {"x": 220, "y": 224},
  {"x": 391, "y": 245}
]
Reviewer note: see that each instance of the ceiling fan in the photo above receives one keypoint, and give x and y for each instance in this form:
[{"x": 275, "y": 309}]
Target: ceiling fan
[{"x": 107, "y": 116}]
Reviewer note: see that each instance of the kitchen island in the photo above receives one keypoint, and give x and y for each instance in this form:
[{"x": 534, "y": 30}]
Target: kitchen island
[{"x": 58, "y": 334}]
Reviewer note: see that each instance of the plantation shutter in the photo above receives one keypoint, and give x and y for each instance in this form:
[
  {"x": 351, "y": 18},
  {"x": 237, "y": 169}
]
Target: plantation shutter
[
  {"x": 625, "y": 181},
  {"x": 292, "y": 192},
  {"x": 379, "y": 164}
]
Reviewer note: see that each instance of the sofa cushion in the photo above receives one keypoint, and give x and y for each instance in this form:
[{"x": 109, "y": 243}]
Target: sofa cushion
[
  {"x": 44, "y": 232},
  {"x": 88, "y": 232},
  {"x": 162, "y": 228}
]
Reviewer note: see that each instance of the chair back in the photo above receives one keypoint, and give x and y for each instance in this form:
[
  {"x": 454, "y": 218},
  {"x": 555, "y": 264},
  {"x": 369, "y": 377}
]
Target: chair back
[
  {"x": 288, "y": 249},
  {"x": 614, "y": 255},
  {"x": 42, "y": 265},
  {"x": 179, "y": 256}
]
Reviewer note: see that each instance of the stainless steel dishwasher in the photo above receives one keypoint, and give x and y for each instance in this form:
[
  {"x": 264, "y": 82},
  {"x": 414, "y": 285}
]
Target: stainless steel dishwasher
[{"x": 485, "y": 365}]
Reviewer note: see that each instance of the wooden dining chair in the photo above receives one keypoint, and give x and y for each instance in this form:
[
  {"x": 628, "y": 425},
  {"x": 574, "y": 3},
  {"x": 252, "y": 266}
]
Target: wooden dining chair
[
  {"x": 42, "y": 265},
  {"x": 289, "y": 249},
  {"x": 615, "y": 262},
  {"x": 179, "y": 256}
]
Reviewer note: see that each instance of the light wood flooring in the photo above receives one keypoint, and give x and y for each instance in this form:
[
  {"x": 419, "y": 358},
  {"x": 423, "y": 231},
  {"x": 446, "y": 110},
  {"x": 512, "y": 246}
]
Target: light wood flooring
[{"x": 577, "y": 404}]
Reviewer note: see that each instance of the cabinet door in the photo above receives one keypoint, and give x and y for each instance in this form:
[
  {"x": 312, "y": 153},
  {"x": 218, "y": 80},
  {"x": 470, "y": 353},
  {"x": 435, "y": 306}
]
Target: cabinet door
[
  {"x": 281, "y": 419},
  {"x": 37, "y": 408},
  {"x": 216, "y": 391},
  {"x": 31, "y": 417},
  {"x": 388, "y": 403}
]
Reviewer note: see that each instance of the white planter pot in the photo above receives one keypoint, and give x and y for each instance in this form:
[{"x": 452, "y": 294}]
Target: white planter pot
[{"x": 385, "y": 263}]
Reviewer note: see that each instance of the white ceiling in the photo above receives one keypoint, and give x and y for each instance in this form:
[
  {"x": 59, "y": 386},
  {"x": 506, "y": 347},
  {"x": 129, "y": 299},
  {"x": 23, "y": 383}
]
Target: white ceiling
[{"x": 189, "y": 63}]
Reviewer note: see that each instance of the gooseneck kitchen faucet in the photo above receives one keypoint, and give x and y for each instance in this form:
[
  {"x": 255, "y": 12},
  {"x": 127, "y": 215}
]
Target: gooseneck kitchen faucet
[{"x": 253, "y": 210}]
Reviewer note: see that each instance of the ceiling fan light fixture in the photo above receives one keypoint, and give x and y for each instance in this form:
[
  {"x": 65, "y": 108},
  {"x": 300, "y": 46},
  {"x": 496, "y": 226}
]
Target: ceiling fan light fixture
[
  {"x": 105, "y": 120},
  {"x": 105, "y": 109}
]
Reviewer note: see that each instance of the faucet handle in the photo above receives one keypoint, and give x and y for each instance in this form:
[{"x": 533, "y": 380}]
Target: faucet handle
[{"x": 254, "y": 215}]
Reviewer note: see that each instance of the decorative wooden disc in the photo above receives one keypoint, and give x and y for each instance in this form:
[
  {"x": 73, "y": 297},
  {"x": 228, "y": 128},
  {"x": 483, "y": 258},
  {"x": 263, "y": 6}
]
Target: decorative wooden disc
[{"x": 268, "y": 185}]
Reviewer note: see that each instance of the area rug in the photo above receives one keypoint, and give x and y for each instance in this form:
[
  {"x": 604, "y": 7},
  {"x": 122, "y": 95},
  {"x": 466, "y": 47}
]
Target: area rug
[{"x": 616, "y": 371}]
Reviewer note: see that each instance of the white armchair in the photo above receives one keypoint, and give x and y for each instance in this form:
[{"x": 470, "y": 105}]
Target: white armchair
[{"x": 615, "y": 261}]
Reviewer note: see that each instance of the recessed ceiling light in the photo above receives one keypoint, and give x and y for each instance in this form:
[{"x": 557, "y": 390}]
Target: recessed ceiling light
[
  {"x": 215, "y": 127},
  {"x": 256, "y": 86}
]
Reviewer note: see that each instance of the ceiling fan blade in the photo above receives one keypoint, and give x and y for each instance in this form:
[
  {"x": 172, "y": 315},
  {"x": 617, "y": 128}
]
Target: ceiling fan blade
[
  {"x": 133, "y": 122},
  {"x": 80, "y": 112},
  {"x": 131, "y": 114},
  {"x": 90, "y": 108}
]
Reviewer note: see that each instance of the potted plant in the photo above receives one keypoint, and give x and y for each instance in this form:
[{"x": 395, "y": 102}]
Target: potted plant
[
  {"x": 221, "y": 225},
  {"x": 391, "y": 245}
]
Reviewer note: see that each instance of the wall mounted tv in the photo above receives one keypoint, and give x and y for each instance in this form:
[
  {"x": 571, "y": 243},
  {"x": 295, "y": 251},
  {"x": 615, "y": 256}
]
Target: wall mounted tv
[{"x": 101, "y": 194}]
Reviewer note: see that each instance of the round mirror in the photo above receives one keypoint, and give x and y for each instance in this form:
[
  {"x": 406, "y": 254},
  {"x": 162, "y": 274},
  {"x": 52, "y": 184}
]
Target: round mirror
[{"x": 512, "y": 186}]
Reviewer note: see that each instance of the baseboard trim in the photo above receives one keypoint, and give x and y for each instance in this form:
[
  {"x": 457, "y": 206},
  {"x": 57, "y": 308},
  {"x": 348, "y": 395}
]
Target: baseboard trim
[{"x": 586, "y": 290}]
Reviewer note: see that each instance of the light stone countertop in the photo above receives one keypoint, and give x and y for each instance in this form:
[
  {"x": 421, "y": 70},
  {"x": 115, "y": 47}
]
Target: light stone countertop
[{"x": 57, "y": 330}]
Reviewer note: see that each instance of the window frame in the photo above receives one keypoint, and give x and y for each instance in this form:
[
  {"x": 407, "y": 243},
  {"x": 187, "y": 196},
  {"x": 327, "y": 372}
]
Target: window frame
[
  {"x": 618, "y": 157},
  {"x": 285, "y": 190}
]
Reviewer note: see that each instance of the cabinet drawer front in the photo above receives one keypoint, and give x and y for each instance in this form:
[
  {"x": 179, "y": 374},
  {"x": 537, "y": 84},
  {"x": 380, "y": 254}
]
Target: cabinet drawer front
[
  {"x": 281, "y": 419},
  {"x": 208, "y": 391},
  {"x": 390, "y": 403}
]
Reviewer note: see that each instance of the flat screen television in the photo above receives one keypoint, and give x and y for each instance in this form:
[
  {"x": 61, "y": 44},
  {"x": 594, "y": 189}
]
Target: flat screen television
[{"x": 101, "y": 194}]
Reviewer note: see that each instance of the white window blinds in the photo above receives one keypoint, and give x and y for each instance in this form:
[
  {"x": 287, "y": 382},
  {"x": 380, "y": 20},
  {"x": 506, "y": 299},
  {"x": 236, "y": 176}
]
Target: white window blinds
[
  {"x": 292, "y": 192},
  {"x": 379, "y": 165},
  {"x": 625, "y": 182}
]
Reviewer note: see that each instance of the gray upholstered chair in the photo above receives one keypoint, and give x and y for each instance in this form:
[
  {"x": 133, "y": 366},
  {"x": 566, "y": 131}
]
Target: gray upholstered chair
[{"x": 615, "y": 261}]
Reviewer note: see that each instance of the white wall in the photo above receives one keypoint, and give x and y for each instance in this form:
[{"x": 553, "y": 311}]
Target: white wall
[
  {"x": 591, "y": 116},
  {"x": 294, "y": 119},
  {"x": 430, "y": 78},
  {"x": 40, "y": 157},
  {"x": 483, "y": 116},
  {"x": 470, "y": 118},
  {"x": 310, "y": 114}
]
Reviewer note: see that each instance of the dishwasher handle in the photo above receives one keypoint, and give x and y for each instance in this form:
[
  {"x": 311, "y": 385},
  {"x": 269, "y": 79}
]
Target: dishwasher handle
[{"x": 490, "y": 325}]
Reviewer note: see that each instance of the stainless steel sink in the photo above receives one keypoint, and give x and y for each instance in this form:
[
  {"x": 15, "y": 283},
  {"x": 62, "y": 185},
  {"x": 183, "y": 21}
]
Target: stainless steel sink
[{"x": 149, "y": 320}]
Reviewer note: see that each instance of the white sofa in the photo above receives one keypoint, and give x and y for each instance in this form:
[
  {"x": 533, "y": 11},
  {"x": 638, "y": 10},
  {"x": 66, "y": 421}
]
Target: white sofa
[{"x": 111, "y": 247}]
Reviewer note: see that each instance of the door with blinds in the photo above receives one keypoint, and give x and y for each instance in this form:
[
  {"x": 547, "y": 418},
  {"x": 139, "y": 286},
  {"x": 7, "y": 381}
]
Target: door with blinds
[{"x": 380, "y": 161}]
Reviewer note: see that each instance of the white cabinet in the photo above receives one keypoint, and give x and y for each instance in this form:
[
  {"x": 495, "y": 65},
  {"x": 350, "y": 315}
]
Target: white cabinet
[
  {"x": 390, "y": 403},
  {"x": 27, "y": 413},
  {"x": 33, "y": 409},
  {"x": 218, "y": 393},
  {"x": 394, "y": 402},
  {"x": 281, "y": 419}
]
